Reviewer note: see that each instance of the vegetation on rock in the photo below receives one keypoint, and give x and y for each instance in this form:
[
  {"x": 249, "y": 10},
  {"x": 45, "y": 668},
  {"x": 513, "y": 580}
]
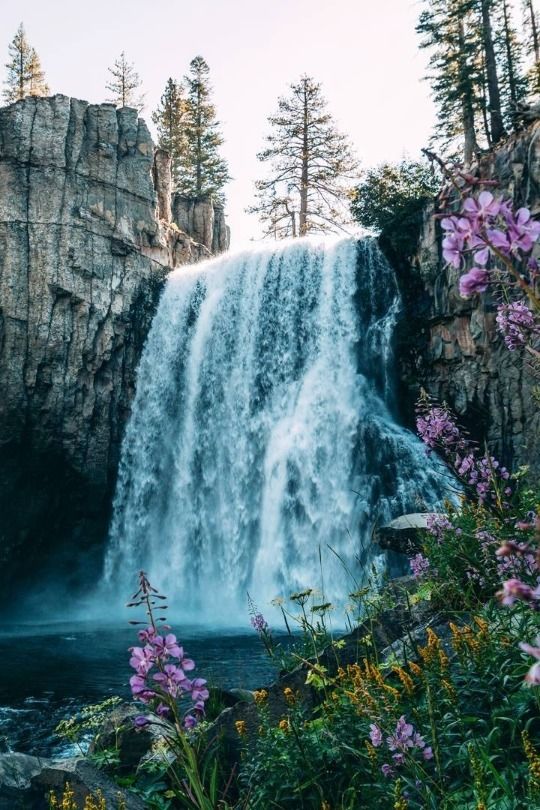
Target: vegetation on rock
[{"x": 25, "y": 76}]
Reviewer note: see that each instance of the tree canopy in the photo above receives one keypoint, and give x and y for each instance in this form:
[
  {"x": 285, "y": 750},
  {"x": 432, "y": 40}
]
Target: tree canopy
[
  {"x": 25, "y": 76},
  {"x": 311, "y": 167}
]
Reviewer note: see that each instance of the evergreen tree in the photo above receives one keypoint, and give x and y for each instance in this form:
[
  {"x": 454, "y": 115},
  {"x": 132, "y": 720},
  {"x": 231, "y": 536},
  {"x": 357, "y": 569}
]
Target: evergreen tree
[
  {"x": 311, "y": 166},
  {"x": 25, "y": 76},
  {"x": 510, "y": 56},
  {"x": 125, "y": 84},
  {"x": 169, "y": 119},
  {"x": 492, "y": 79},
  {"x": 532, "y": 42},
  {"x": 455, "y": 72},
  {"x": 201, "y": 171}
]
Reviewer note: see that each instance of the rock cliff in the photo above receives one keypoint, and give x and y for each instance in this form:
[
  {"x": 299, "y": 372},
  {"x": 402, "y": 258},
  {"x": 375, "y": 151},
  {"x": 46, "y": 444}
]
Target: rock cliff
[
  {"x": 86, "y": 239},
  {"x": 451, "y": 346}
]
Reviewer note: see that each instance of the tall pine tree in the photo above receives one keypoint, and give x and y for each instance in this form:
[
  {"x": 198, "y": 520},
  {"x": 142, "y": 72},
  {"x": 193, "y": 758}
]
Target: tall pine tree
[
  {"x": 169, "y": 119},
  {"x": 532, "y": 41},
  {"x": 311, "y": 167},
  {"x": 125, "y": 84},
  {"x": 25, "y": 76},
  {"x": 455, "y": 72},
  {"x": 510, "y": 60},
  {"x": 201, "y": 171}
]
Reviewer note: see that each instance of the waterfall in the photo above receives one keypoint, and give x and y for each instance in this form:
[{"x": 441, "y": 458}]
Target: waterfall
[{"x": 262, "y": 433}]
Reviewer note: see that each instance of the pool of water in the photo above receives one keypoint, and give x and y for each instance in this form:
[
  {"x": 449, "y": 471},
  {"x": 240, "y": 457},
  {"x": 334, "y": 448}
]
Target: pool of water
[{"x": 49, "y": 671}]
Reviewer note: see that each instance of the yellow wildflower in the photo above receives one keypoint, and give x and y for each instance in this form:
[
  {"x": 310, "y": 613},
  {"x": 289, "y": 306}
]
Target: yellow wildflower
[
  {"x": 289, "y": 695},
  {"x": 241, "y": 727},
  {"x": 260, "y": 696}
]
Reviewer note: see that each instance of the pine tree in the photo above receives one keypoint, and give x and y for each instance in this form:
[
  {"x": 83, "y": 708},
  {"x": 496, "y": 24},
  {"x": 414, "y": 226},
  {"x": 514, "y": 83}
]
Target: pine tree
[
  {"x": 169, "y": 119},
  {"x": 510, "y": 57},
  {"x": 311, "y": 167},
  {"x": 201, "y": 171},
  {"x": 455, "y": 71},
  {"x": 125, "y": 84},
  {"x": 532, "y": 42},
  {"x": 492, "y": 79},
  {"x": 25, "y": 76}
]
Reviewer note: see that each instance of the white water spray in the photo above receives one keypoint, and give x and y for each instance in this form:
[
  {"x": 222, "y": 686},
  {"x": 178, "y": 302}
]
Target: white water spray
[{"x": 262, "y": 430}]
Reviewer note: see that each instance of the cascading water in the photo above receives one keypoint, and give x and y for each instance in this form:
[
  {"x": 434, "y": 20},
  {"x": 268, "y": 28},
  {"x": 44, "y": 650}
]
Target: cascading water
[{"x": 262, "y": 431}]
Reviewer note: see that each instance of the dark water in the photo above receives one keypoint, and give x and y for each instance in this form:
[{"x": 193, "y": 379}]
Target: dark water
[{"x": 49, "y": 672}]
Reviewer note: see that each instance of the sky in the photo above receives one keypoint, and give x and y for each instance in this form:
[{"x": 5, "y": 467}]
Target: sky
[{"x": 364, "y": 52}]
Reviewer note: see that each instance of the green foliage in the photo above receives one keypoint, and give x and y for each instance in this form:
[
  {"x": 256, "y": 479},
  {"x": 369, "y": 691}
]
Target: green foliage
[
  {"x": 169, "y": 120},
  {"x": 125, "y": 84},
  {"x": 391, "y": 199},
  {"x": 201, "y": 171},
  {"x": 311, "y": 167},
  {"x": 25, "y": 76},
  {"x": 79, "y": 728}
]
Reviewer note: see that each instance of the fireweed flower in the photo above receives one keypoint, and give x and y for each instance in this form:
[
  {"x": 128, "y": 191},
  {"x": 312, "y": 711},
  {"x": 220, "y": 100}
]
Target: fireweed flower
[
  {"x": 533, "y": 675},
  {"x": 142, "y": 659},
  {"x": 259, "y": 623},
  {"x": 516, "y": 323},
  {"x": 376, "y": 735},
  {"x": 436, "y": 426},
  {"x": 514, "y": 590},
  {"x": 161, "y": 665},
  {"x": 419, "y": 565},
  {"x": 475, "y": 281}
]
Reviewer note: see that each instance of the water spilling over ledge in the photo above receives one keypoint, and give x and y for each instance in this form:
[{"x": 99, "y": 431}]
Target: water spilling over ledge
[{"x": 262, "y": 432}]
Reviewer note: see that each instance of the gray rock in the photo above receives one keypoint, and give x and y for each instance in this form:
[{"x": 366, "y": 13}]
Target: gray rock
[
  {"x": 404, "y": 533},
  {"x": 118, "y": 732},
  {"x": 85, "y": 780},
  {"x": 453, "y": 349},
  {"x": 86, "y": 242}
]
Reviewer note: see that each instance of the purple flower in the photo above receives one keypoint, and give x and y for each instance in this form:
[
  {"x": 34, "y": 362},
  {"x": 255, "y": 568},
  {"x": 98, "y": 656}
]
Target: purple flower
[
  {"x": 516, "y": 323},
  {"x": 138, "y": 684},
  {"x": 199, "y": 690},
  {"x": 172, "y": 680},
  {"x": 190, "y": 721},
  {"x": 533, "y": 675},
  {"x": 162, "y": 710},
  {"x": 452, "y": 248},
  {"x": 399, "y": 759},
  {"x": 514, "y": 590},
  {"x": 142, "y": 659},
  {"x": 437, "y": 427},
  {"x": 483, "y": 207},
  {"x": 147, "y": 635},
  {"x": 375, "y": 735},
  {"x": 401, "y": 738},
  {"x": 475, "y": 281},
  {"x": 387, "y": 770},
  {"x": 427, "y": 753},
  {"x": 141, "y": 721},
  {"x": 437, "y": 525},
  {"x": 167, "y": 646},
  {"x": 259, "y": 623},
  {"x": 419, "y": 565}
]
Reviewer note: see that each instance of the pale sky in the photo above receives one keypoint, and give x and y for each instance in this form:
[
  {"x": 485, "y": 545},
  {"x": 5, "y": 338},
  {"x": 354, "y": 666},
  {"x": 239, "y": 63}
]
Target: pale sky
[{"x": 364, "y": 52}]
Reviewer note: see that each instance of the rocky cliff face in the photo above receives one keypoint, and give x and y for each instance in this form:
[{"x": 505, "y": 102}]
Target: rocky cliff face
[
  {"x": 451, "y": 346},
  {"x": 86, "y": 239}
]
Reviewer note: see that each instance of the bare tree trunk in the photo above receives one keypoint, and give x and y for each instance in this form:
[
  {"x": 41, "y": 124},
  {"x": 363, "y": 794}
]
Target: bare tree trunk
[
  {"x": 484, "y": 103},
  {"x": 535, "y": 42},
  {"x": 509, "y": 56},
  {"x": 304, "y": 182},
  {"x": 470, "y": 145},
  {"x": 495, "y": 115},
  {"x": 199, "y": 143}
]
